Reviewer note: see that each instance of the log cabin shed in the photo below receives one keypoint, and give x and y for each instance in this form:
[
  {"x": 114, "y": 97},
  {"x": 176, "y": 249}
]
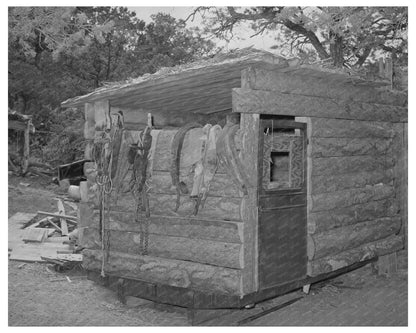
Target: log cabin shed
[{"x": 300, "y": 174}]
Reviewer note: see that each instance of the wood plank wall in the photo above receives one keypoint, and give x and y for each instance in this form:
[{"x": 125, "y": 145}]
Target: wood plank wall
[{"x": 356, "y": 189}]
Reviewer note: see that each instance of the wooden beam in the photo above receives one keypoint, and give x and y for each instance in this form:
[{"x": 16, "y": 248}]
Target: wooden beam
[
  {"x": 340, "y": 165},
  {"x": 348, "y": 237},
  {"x": 101, "y": 115},
  {"x": 89, "y": 125},
  {"x": 202, "y": 251},
  {"x": 355, "y": 179},
  {"x": 332, "y": 147},
  {"x": 250, "y": 126},
  {"x": 162, "y": 225},
  {"x": 345, "y": 198},
  {"x": 270, "y": 102},
  {"x": 342, "y": 128},
  {"x": 321, "y": 85},
  {"x": 179, "y": 273},
  {"x": 61, "y": 210},
  {"x": 355, "y": 256}
]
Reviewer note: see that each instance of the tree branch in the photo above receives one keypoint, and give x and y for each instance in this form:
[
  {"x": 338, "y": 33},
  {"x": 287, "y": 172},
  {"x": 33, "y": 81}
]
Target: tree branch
[
  {"x": 310, "y": 35},
  {"x": 363, "y": 57}
]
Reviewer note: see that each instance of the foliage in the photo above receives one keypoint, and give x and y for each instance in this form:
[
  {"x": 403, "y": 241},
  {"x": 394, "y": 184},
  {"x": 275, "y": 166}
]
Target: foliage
[
  {"x": 57, "y": 29},
  {"x": 347, "y": 35},
  {"x": 58, "y": 52}
]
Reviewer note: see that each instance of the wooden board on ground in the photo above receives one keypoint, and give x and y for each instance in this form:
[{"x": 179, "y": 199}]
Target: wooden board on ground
[
  {"x": 35, "y": 234},
  {"x": 70, "y": 256},
  {"x": 70, "y": 219},
  {"x": 64, "y": 226},
  {"x": 57, "y": 239},
  {"x": 34, "y": 252}
]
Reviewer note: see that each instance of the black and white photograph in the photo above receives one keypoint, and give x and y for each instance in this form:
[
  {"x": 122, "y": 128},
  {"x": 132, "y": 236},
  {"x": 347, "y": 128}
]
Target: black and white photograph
[{"x": 193, "y": 166}]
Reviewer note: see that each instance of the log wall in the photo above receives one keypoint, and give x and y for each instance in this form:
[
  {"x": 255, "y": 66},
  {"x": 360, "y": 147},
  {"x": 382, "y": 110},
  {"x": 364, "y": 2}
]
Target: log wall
[
  {"x": 355, "y": 157},
  {"x": 353, "y": 202},
  {"x": 205, "y": 252}
]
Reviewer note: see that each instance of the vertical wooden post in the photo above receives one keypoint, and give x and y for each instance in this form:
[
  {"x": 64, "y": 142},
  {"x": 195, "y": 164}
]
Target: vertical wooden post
[
  {"x": 250, "y": 127},
  {"x": 25, "y": 164},
  {"x": 89, "y": 125},
  {"x": 102, "y": 116},
  {"x": 89, "y": 129},
  {"x": 310, "y": 227}
]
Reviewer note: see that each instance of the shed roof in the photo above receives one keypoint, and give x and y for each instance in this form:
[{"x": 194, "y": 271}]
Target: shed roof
[{"x": 202, "y": 87}]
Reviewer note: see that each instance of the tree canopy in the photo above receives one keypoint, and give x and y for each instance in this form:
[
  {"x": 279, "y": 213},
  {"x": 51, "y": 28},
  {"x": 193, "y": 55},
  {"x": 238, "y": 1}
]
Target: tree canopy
[
  {"x": 347, "y": 36},
  {"x": 60, "y": 52}
]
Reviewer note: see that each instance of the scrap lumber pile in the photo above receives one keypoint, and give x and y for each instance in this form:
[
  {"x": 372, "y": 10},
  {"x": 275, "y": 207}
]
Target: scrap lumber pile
[{"x": 45, "y": 237}]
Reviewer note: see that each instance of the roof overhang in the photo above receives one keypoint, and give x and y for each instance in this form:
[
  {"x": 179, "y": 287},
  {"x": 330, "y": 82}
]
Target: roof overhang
[{"x": 203, "y": 89}]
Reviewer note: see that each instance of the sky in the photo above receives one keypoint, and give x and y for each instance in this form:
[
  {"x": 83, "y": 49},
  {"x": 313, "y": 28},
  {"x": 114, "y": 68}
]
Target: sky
[{"x": 241, "y": 34}]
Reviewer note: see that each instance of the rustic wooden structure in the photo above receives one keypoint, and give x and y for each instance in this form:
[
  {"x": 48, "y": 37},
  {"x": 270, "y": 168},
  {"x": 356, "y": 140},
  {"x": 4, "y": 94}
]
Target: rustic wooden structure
[
  {"x": 22, "y": 126},
  {"x": 320, "y": 187}
]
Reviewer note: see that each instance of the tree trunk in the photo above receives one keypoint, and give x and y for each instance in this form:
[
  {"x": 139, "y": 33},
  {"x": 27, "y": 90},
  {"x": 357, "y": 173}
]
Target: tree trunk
[{"x": 336, "y": 49}]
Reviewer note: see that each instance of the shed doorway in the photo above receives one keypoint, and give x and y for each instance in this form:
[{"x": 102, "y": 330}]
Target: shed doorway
[{"x": 282, "y": 202}]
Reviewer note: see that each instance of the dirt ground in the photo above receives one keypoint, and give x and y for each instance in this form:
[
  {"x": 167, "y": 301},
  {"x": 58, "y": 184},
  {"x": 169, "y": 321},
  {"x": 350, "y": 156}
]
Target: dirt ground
[{"x": 39, "y": 296}]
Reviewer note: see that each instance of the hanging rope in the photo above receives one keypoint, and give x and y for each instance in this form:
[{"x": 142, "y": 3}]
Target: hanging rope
[
  {"x": 138, "y": 156},
  {"x": 105, "y": 152}
]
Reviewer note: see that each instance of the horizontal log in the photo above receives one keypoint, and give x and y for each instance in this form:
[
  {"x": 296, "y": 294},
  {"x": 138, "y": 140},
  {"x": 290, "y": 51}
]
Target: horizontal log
[
  {"x": 378, "y": 248},
  {"x": 270, "y": 102},
  {"x": 169, "y": 247},
  {"x": 332, "y": 183},
  {"x": 136, "y": 118},
  {"x": 344, "y": 238},
  {"x": 219, "y": 208},
  {"x": 161, "y": 183},
  {"x": 339, "y": 128},
  {"x": 345, "y": 198},
  {"x": 196, "y": 228},
  {"x": 177, "y": 273},
  {"x": 263, "y": 79},
  {"x": 326, "y": 166},
  {"x": 325, "y": 220},
  {"x": 330, "y": 147},
  {"x": 215, "y": 207}
]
